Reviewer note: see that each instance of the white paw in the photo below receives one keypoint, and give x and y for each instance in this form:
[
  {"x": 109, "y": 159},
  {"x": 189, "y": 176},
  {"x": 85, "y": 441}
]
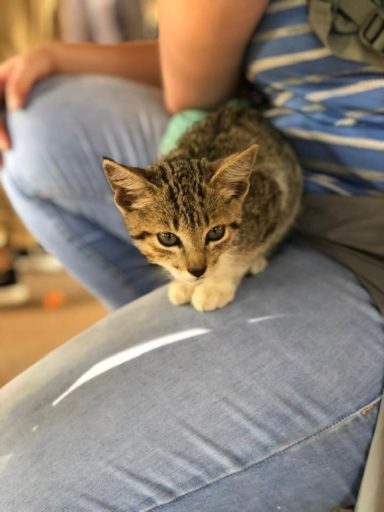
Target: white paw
[
  {"x": 208, "y": 297},
  {"x": 180, "y": 293},
  {"x": 258, "y": 265}
]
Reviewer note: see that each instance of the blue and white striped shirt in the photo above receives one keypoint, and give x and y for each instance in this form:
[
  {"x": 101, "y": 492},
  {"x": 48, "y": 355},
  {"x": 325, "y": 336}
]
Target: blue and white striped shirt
[{"x": 330, "y": 109}]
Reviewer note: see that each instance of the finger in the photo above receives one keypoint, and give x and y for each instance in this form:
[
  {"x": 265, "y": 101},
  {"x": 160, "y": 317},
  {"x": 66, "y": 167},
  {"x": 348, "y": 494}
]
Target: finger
[
  {"x": 5, "y": 140},
  {"x": 19, "y": 83},
  {"x": 17, "y": 86},
  {"x": 5, "y": 71}
]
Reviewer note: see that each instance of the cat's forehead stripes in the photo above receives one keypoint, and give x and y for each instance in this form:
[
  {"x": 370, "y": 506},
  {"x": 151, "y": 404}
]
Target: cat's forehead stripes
[{"x": 183, "y": 183}]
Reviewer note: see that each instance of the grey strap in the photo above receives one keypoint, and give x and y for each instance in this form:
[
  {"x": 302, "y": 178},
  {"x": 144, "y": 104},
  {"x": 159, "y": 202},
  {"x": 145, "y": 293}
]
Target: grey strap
[
  {"x": 358, "y": 10},
  {"x": 351, "y": 29}
]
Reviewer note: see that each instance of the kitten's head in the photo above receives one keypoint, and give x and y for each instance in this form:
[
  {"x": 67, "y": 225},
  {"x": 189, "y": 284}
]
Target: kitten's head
[{"x": 183, "y": 214}]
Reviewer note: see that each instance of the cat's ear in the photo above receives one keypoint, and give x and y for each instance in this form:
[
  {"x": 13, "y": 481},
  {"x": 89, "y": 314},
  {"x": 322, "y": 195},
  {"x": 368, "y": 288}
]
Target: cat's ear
[
  {"x": 131, "y": 188},
  {"x": 231, "y": 174}
]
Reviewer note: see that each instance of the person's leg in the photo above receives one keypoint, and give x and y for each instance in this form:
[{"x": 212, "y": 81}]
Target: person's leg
[
  {"x": 268, "y": 404},
  {"x": 55, "y": 180}
]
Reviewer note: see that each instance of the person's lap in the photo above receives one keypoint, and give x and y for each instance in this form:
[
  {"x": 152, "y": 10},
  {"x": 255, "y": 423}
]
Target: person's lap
[
  {"x": 259, "y": 406},
  {"x": 268, "y": 404}
]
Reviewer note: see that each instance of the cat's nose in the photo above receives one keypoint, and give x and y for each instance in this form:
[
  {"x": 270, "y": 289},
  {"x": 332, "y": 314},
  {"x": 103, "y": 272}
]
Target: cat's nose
[{"x": 197, "y": 272}]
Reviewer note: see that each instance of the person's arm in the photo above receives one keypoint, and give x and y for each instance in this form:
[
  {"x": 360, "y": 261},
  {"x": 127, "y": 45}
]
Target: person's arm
[
  {"x": 202, "y": 45},
  {"x": 134, "y": 60},
  {"x": 137, "y": 60}
]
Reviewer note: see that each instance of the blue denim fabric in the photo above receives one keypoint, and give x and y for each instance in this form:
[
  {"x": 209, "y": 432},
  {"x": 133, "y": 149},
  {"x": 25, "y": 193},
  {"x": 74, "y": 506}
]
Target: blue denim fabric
[
  {"x": 54, "y": 176},
  {"x": 266, "y": 405}
]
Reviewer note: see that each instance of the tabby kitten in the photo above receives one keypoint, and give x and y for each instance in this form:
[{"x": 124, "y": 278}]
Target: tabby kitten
[{"x": 210, "y": 211}]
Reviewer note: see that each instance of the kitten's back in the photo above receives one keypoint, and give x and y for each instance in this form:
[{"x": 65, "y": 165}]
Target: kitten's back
[{"x": 274, "y": 195}]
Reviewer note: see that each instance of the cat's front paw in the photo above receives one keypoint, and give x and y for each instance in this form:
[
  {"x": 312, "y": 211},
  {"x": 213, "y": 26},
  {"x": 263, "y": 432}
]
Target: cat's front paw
[
  {"x": 180, "y": 293},
  {"x": 208, "y": 297},
  {"x": 258, "y": 265}
]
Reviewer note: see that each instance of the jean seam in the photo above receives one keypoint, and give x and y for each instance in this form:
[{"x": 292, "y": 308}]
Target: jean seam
[{"x": 341, "y": 421}]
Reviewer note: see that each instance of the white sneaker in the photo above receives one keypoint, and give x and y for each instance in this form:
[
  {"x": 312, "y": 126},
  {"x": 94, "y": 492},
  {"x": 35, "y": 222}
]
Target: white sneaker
[
  {"x": 12, "y": 293},
  {"x": 37, "y": 260}
]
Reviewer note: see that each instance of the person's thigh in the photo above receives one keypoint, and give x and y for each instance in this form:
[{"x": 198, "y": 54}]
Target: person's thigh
[
  {"x": 69, "y": 125},
  {"x": 268, "y": 404},
  {"x": 54, "y": 175}
]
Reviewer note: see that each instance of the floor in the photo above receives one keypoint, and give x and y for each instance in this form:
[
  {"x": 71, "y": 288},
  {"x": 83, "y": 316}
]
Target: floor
[{"x": 58, "y": 309}]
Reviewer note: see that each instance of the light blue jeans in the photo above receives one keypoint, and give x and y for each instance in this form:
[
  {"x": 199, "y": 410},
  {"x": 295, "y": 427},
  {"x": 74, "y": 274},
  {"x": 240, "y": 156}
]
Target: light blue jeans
[
  {"x": 267, "y": 405},
  {"x": 55, "y": 179}
]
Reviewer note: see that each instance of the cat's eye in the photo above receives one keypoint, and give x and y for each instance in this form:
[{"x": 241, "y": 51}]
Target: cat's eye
[
  {"x": 168, "y": 239},
  {"x": 215, "y": 234}
]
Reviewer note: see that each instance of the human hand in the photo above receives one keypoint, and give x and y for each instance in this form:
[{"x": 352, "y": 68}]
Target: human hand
[{"x": 17, "y": 76}]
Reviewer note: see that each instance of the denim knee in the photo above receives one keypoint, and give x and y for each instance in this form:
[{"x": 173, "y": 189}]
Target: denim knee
[{"x": 70, "y": 123}]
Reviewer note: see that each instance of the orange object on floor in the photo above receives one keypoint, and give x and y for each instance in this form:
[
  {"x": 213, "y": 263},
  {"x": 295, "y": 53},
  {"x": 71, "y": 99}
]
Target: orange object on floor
[{"x": 53, "y": 299}]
